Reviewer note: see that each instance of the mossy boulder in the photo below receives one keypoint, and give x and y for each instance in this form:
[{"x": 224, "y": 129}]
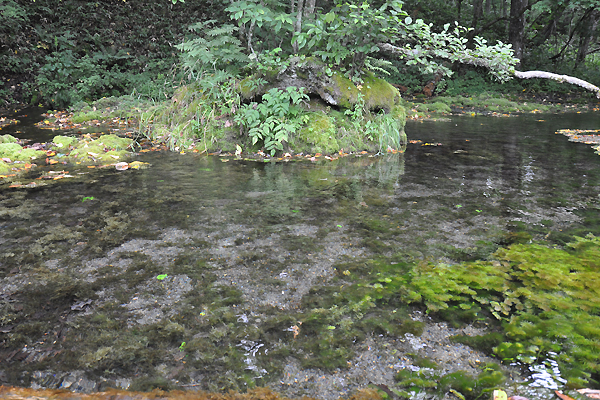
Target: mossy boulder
[
  {"x": 107, "y": 148},
  {"x": 63, "y": 142},
  {"x": 84, "y": 116},
  {"x": 115, "y": 142},
  {"x": 8, "y": 139},
  {"x": 376, "y": 92},
  {"x": 15, "y": 152},
  {"x": 334, "y": 88}
]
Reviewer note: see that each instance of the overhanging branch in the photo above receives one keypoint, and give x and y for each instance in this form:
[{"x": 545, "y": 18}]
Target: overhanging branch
[
  {"x": 465, "y": 58},
  {"x": 559, "y": 78}
]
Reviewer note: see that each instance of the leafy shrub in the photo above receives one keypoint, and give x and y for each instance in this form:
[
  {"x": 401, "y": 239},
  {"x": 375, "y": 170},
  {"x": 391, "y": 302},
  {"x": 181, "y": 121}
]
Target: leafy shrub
[
  {"x": 66, "y": 78},
  {"x": 274, "y": 119},
  {"x": 216, "y": 49}
]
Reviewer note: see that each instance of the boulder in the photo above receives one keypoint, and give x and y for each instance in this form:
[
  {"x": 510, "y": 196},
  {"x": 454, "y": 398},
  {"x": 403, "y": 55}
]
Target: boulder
[{"x": 333, "y": 87}]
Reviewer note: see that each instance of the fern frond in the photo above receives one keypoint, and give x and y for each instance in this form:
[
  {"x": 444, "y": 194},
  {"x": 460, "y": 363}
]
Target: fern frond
[{"x": 379, "y": 65}]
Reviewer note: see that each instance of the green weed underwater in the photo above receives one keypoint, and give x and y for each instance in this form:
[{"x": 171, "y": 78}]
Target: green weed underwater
[
  {"x": 544, "y": 300},
  {"x": 540, "y": 302}
]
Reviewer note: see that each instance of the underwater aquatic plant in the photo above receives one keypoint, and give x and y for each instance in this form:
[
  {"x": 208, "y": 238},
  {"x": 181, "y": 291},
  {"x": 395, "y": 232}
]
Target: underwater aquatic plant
[{"x": 543, "y": 299}]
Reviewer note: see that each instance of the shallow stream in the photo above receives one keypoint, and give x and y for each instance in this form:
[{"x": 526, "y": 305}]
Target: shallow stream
[{"x": 196, "y": 272}]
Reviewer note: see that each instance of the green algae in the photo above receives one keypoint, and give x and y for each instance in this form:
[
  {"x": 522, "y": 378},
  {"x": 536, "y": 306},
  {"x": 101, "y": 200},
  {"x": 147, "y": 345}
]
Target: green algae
[
  {"x": 460, "y": 383},
  {"x": 539, "y": 300}
]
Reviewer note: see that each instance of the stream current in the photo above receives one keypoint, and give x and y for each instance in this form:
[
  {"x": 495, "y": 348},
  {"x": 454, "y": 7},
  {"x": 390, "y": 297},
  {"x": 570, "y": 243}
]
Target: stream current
[{"x": 240, "y": 244}]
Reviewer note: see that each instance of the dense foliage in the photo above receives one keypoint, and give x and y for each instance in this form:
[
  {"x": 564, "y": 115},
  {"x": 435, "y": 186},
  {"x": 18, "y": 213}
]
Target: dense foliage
[{"x": 64, "y": 52}]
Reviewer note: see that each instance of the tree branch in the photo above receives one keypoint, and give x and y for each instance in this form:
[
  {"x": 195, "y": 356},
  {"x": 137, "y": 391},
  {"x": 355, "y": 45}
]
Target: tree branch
[
  {"x": 559, "y": 78},
  {"x": 466, "y": 58}
]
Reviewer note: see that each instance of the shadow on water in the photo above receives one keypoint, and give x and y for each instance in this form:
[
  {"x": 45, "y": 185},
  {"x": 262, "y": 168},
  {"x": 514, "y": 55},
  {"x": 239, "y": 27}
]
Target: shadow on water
[{"x": 196, "y": 272}]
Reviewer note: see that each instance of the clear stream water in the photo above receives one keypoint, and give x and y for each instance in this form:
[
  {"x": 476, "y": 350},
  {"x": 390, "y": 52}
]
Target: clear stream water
[{"x": 80, "y": 304}]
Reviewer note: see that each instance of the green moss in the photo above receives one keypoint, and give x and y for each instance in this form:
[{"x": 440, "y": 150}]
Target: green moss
[
  {"x": 4, "y": 168},
  {"x": 62, "y": 143},
  {"x": 86, "y": 116},
  {"x": 398, "y": 112},
  {"x": 15, "y": 152},
  {"x": 10, "y": 150},
  {"x": 318, "y": 136},
  {"x": 7, "y": 139},
  {"x": 107, "y": 149},
  {"x": 379, "y": 94},
  {"x": 348, "y": 90},
  {"x": 440, "y": 107},
  {"x": 114, "y": 142}
]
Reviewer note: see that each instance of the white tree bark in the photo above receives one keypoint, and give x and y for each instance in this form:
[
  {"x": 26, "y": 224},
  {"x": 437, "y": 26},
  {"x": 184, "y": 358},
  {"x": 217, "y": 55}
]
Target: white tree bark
[{"x": 559, "y": 78}]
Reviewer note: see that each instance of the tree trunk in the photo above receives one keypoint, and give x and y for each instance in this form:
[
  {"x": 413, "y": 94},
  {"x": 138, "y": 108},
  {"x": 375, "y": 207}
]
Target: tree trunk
[
  {"x": 585, "y": 38},
  {"x": 477, "y": 14},
  {"x": 560, "y": 78},
  {"x": 298, "y": 25},
  {"x": 516, "y": 28},
  {"x": 309, "y": 8},
  {"x": 550, "y": 28},
  {"x": 576, "y": 29}
]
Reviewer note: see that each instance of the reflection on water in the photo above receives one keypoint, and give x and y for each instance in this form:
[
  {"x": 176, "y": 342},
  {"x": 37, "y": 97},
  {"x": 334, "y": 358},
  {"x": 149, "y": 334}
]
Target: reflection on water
[{"x": 242, "y": 244}]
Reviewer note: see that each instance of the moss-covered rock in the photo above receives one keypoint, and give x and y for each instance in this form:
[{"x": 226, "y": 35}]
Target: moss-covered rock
[
  {"x": 343, "y": 89},
  {"x": 63, "y": 142},
  {"x": 15, "y": 152},
  {"x": 84, "y": 116},
  {"x": 107, "y": 148},
  {"x": 115, "y": 142},
  {"x": 377, "y": 93},
  {"x": 333, "y": 88},
  {"x": 8, "y": 139}
]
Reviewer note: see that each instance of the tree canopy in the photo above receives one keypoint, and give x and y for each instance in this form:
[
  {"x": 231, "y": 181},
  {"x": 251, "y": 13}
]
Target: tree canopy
[
  {"x": 67, "y": 51},
  {"x": 352, "y": 37}
]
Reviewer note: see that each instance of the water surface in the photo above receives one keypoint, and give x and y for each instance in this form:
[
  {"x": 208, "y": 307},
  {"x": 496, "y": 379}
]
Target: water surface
[{"x": 243, "y": 243}]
